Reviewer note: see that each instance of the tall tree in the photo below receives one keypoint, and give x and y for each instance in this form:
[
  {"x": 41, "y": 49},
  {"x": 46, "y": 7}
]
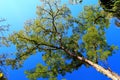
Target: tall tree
[{"x": 64, "y": 41}]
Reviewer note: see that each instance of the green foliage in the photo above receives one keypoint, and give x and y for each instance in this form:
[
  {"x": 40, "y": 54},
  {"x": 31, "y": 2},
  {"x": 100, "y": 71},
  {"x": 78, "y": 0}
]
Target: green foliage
[
  {"x": 112, "y": 7},
  {"x": 95, "y": 44},
  {"x": 116, "y": 9},
  {"x": 49, "y": 35},
  {"x": 108, "y": 4},
  {"x": 3, "y": 43},
  {"x": 37, "y": 72}
]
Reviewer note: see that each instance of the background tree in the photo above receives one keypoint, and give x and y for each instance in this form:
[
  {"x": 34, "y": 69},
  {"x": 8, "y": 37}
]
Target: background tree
[
  {"x": 75, "y": 1},
  {"x": 65, "y": 42},
  {"x": 3, "y": 42},
  {"x": 113, "y": 8},
  {"x": 110, "y": 6}
]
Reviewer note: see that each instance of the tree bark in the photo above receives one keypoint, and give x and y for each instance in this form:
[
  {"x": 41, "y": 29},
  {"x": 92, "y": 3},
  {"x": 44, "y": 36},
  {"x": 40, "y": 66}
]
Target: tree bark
[
  {"x": 107, "y": 72},
  {"x": 99, "y": 68}
]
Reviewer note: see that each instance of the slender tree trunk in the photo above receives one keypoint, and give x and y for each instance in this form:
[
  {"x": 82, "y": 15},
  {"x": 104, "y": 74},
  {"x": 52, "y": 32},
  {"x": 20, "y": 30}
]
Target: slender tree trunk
[
  {"x": 108, "y": 73},
  {"x": 99, "y": 68}
]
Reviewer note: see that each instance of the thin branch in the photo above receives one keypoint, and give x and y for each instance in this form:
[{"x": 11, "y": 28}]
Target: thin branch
[
  {"x": 52, "y": 15},
  {"x": 36, "y": 46},
  {"x": 36, "y": 43},
  {"x": 48, "y": 30},
  {"x": 47, "y": 11},
  {"x": 98, "y": 18}
]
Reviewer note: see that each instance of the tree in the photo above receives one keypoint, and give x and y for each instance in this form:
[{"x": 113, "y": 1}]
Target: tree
[
  {"x": 3, "y": 42},
  {"x": 62, "y": 50},
  {"x": 2, "y": 76},
  {"x": 70, "y": 1},
  {"x": 75, "y": 1},
  {"x": 110, "y": 6},
  {"x": 113, "y": 8}
]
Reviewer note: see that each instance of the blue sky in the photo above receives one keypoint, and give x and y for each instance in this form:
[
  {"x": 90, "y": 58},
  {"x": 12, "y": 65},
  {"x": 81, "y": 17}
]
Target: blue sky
[{"x": 18, "y": 11}]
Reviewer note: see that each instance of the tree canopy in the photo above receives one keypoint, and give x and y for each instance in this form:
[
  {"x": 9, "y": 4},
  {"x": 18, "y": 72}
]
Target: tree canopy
[
  {"x": 113, "y": 8},
  {"x": 61, "y": 39}
]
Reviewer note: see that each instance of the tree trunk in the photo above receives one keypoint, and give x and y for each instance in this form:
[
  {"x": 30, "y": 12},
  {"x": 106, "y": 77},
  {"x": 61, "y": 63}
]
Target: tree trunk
[{"x": 99, "y": 68}]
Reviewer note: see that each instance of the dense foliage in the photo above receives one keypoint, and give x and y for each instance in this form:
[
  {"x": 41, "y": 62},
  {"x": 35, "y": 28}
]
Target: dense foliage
[
  {"x": 110, "y": 6},
  {"x": 113, "y": 8},
  {"x": 54, "y": 32}
]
